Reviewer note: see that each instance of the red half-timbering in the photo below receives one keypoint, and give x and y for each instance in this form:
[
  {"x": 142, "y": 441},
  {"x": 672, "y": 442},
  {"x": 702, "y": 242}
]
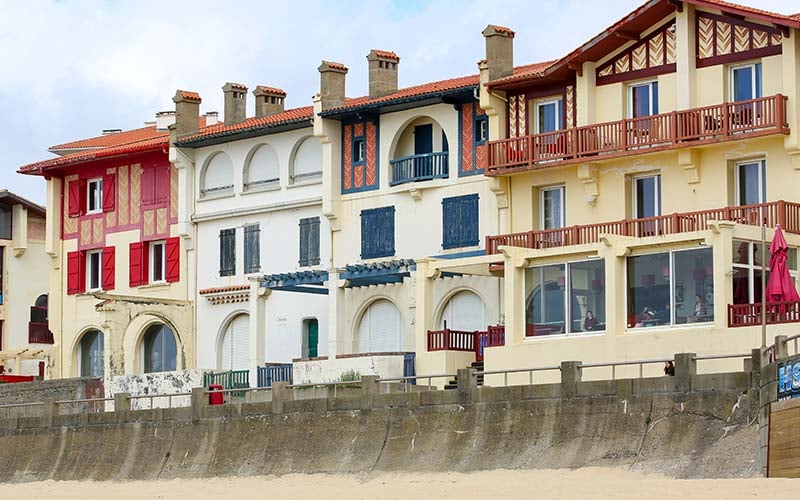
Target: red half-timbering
[
  {"x": 723, "y": 39},
  {"x": 472, "y": 158},
  {"x": 653, "y": 55},
  {"x": 360, "y": 174}
]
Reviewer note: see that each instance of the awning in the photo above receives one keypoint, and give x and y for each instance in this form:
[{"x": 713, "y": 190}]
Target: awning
[
  {"x": 301, "y": 281},
  {"x": 377, "y": 273}
]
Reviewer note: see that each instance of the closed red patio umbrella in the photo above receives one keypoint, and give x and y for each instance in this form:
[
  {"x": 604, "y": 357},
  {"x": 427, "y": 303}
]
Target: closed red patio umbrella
[{"x": 780, "y": 287}]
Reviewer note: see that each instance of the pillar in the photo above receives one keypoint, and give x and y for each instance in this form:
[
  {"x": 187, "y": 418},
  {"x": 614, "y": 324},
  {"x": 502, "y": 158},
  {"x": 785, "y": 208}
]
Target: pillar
[
  {"x": 685, "y": 369},
  {"x": 584, "y": 95},
  {"x": 685, "y": 43},
  {"x": 791, "y": 89},
  {"x": 258, "y": 327},
  {"x": 514, "y": 296},
  {"x": 336, "y": 312},
  {"x": 570, "y": 377}
]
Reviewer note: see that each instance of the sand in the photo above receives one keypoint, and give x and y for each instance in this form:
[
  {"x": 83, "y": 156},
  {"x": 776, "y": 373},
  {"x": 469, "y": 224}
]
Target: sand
[{"x": 590, "y": 483}]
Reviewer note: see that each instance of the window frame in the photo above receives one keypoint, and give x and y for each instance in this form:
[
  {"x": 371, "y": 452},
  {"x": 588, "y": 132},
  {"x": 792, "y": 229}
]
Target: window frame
[
  {"x": 751, "y": 267},
  {"x": 542, "y": 191},
  {"x": 540, "y": 103},
  {"x": 99, "y": 198},
  {"x": 756, "y": 79},
  {"x": 481, "y": 130},
  {"x": 762, "y": 174},
  {"x": 653, "y": 97},
  {"x": 151, "y": 255},
  {"x": 635, "y": 195},
  {"x": 6, "y": 217},
  {"x": 88, "y": 263},
  {"x": 359, "y": 150}
]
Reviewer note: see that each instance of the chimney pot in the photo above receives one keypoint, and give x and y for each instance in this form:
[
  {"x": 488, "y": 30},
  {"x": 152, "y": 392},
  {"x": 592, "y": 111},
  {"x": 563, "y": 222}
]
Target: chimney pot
[
  {"x": 235, "y": 102},
  {"x": 499, "y": 51},
  {"x": 269, "y": 100},
  {"x": 187, "y": 112},
  {"x": 164, "y": 119},
  {"x": 112, "y": 131},
  {"x": 212, "y": 118},
  {"x": 382, "y": 72},
  {"x": 332, "y": 76}
]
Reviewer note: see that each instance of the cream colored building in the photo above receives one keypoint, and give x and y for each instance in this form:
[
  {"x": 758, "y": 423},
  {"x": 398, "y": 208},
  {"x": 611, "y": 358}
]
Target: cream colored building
[
  {"x": 632, "y": 178},
  {"x": 25, "y": 339}
]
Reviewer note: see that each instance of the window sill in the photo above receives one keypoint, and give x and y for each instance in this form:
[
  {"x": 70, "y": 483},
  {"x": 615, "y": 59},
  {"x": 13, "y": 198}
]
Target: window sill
[
  {"x": 668, "y": 328},
  {"x": 306, "y": 181},
  {"x": 261, "y": 188},
  {"x": 576, "y": 335},
  {"x": 159, "y": 285},
  {"x": 214, "y": 195}
]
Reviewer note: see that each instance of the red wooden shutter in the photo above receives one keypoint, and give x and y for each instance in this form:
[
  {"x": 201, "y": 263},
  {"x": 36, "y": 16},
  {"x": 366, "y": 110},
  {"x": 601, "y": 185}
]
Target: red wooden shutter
[
  {"x": 82, "y": 195},
  {"x": 173, "y": 260},
  {"x": 73, "y": 272},
  {"x": 109, "y": 192},
  {"x": 148, "y": 181},
  {"x": 74, "y": 198},
  {"x": 136, "y": 265},
  {"x": 162, "y": 183},
  {"x": 108, "y": 268}
]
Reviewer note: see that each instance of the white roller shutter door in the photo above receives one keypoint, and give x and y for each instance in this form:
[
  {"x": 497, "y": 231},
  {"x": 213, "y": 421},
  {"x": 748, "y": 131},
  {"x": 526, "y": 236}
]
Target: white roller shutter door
[
  {"x": 465, "y": 311},
  {"x": 235, "y": 344},
  {"x": 380, "y": 329}
]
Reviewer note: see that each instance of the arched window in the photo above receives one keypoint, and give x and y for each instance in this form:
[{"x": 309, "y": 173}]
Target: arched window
[
  {"x": 218, "y": 176},
  {"x": 465, "y": 311},
  {"x": 91, "y": 354},
  {"x": 263, "y": 169},
  {"x": 381, "y": 328},
  {"x": 38, "y": 328},
  {"x": 307, "y": 162},
  {"x": 159, "y": 349},
  {"x": 235, "y": 344}
]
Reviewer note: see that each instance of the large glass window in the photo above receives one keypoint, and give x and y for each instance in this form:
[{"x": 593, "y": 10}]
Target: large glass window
[
  {"x": 565, "y": 298},
  {"x": 671, "y": 288},
  {"x": 91, "y": 354},
  {"x": 160, "y": 351},
  {"x": 747, "y": 269}
]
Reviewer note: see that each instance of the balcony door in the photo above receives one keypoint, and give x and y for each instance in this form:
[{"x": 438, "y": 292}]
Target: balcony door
[
  {"x": 745, "y": 82},
  {"x": 423, "y": 139},
  {"x": 647, "y": 204},
  {"x": 643, "y": 99},
  {"x": 551, "y": 207},
  {"x": 547, "y": 114}
]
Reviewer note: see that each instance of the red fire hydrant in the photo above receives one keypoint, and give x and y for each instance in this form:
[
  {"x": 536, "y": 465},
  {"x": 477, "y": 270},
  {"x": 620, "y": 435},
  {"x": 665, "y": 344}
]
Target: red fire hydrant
[{"x": 215, "y": 394}]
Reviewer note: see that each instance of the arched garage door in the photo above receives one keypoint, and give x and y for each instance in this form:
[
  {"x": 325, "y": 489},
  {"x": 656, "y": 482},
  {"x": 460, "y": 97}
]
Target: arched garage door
[
  {"x": 235, "y": 344},
  {"x": 381, "y": 328},
  {"x": 465, "y": 311}
]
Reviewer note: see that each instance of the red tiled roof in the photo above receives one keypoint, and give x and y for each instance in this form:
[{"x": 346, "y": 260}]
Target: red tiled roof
[
  {"x": 335, "y": 65},
  {"x": 223, "y": 289},
  {"x": 288, "y": 116},
  {"x": 270, "y": 90},
  {"x": 192, "y": 96},
  {"x": 104, "y": 141},
  {"x": 503, "y": 29},
  {"x": 745, "y": 10},
  {"x": 386, "y": 54}
]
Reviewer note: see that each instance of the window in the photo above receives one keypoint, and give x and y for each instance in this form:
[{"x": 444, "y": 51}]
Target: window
[
  {"x": 94, "y": 196},
  {"x": 2, "y": 273},
  {"x": 93, "y": 269},
  {"x": 307, "y": 161},
  {"x": 358, "y": 150},
  {"x": 745, "y": 82},
  {"x": 91, "y": 354},
  {"x": 155, "y": 185},
  {"x": 460, "y": 222},
  {"x": 227, "y": 252},
  {"x": 5, "y": 222},
  {"x": 670, "y": 288},
  {"x": 158, "y": 261},
  {"x": 565, "y": 298},
  {"x": 263, "y": 170},
  {"x": 377, "y": 233},
  {"x": 547, "y": 115},
  {"x": 646, "y": 196},
  {"x": 750, "y": 185},
  {"x": 747, "y": 270},
  {"x": 309, "y": 241},
  {"x": 552, "y": 207},
  {"x": 252, "y": 248},
  {"x": 218, "y": 176},
  {"x": 481, "y": 129},
  {"x": 311, "y": 338},
  {"x": 159, "y": 350},
  {"x": 643, "y": 99}
]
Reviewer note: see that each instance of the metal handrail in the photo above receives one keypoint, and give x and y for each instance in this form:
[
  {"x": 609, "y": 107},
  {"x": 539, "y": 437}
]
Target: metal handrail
[
  {"x": 19, "y": 405},
  {"x": 407, "y": 379},
  {"x": 529, "y": 371},
  {"x": 615, "y": 364},
  {"x": 720, "y": 356}
]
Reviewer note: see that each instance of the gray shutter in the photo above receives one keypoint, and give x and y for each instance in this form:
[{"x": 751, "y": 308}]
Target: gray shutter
[
  {"x": 227, "y": 252},
  {"x": 304, "y": 250},
  {"x": 313, "y": 241},
  {"x": 252, "y": 248}
]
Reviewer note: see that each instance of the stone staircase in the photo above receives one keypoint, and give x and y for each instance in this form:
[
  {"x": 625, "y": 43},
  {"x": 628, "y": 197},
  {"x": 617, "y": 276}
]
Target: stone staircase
[{"x": 477, "y": 366}]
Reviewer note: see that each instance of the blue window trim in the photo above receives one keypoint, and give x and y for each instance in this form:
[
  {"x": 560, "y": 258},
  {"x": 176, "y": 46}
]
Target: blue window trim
[
  {"x": 353, "y": 138},
  {"x": 384, "y": 248},
  {"x": 475, "y": 118},
  {"x": 362, "y": 138},
  {"x": 471, "y": 224}
]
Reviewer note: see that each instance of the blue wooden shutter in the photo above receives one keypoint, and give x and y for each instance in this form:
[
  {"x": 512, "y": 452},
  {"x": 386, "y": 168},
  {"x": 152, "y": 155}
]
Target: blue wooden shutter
[
  {"x": 377, "y": 233},
  {"x": 304, "y": 250},
  {"x": 252, "y": 248},
  {"x": 313, "y": 241},
  {"x": 227, "y": 252},
  {"x": 460, "y": 221}
]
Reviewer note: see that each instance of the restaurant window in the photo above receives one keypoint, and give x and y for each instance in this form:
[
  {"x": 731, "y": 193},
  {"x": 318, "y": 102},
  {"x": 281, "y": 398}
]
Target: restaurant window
[
  {"x": 747, "y": 269},
  {"x": 643, "y": 99},
  {"x": 670, "y": 288},
  {"x": 565, "y": 298}
]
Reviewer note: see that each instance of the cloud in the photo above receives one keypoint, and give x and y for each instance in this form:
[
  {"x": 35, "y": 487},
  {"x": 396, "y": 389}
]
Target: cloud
[{"x": 72, "y": 68}]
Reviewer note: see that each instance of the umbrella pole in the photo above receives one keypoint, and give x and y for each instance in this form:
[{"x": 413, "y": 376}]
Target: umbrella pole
[{"x": 763, "y": 279}]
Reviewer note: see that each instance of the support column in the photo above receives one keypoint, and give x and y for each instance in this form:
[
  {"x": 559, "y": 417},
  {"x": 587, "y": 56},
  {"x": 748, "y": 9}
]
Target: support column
[
  {"x": 258, "y": 327},
  {"x": 514, "y": 295},
  {"x": 722, "y": 249},
  {"x": 423, "y": 314},
  {"x": 685, "y": 43},
  {"x": 584, "y": 95},
  {"x": 183, "y": 161},
  {"x": 336, "y": 312},
  {"x": 791, "y": 89}
]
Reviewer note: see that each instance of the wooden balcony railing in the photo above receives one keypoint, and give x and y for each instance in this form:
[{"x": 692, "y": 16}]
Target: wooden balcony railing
[
  {"x": 39, "y": 333},
  {"x": 464, "y": 341},
  {"x": 781, "y": 212},
  {"x": 776, "y": 312},
  {"x": 422, "y": 167},
  {"x": 722, "y": 122}
]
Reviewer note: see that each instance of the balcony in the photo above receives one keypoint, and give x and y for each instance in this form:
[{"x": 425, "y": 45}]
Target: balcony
[
  {"x": 679, "y": 129},
  {"x": 463, "y": 341},
  {"x": 776, "y": 313},
  {"x": 38, "y": 333},
  {"x": 777, "y": 212},
  {"x": 422, "y": 167}
]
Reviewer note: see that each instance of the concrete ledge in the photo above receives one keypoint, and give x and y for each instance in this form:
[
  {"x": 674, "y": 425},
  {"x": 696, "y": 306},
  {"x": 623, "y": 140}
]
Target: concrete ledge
[
  {"x": 547, "y": 391},
  {"x": 492, "y": 394},
  {"x": 256, "y": 408},
  {"x": 350, "y": 403},
  {"x": 596, "y": 388},
  {"x": 396, "y": 400},
  {"x": 102, "y": 418},
  {"x": 663, "y": 384},
  {"x": 319, "y": 405},
  {"x": 719, "y": 381},
  {"x": 438, "y": 398}
]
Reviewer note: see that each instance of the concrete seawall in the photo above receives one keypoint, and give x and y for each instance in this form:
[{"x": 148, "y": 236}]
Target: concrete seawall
[{"x": 698, "y": 426}]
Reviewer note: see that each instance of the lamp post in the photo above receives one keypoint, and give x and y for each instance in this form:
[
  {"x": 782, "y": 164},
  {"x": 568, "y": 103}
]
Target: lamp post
[{"x": 763, "y": 277}]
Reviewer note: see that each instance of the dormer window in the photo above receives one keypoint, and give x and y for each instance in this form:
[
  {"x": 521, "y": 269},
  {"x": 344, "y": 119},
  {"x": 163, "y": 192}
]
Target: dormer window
[{"x": 94, "y": 196}]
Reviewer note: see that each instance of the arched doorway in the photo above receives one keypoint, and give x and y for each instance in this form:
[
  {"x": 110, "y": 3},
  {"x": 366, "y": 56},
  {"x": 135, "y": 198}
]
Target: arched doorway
[
  {"x": 465, "y": 311},
  {"x": 381, "y": 328},
  {"x": 159, "y": 350},
  {"x": 234, "y": 347},
  {"x": 91, "y": 354}
]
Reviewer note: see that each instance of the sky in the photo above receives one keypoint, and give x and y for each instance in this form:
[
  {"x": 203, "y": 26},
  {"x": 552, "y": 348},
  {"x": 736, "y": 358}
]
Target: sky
[{"x": 71, "y": 68}]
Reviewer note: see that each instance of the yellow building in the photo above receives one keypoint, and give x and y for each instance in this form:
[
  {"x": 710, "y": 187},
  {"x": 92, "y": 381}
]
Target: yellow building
[{"x": 633, "y": 177}]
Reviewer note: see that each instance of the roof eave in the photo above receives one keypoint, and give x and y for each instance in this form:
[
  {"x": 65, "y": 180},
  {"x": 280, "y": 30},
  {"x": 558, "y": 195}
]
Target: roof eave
[
  {"x": 399, "y": 104},
  {"x": 246, "y": 133}
]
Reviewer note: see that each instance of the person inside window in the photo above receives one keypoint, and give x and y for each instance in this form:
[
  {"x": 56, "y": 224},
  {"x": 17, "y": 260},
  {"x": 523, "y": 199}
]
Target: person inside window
[
  {"x": 669, "y": 369},
  {"x": 700, "y": 310},
  {"x": 589, "y": 322}
]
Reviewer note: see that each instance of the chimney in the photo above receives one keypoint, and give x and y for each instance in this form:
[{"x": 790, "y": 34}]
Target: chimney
[
  {"x": 382, "y": 73},
  {"x": 212, "y": 118},
  {"x": 187, "y": 112},
  {"x": 235, "y": 102},
  {"x": 269, "y": 100},
  {"x": 499, "y": 51},
  {"x": 164, "y": 119},
  {"x": 331, "y": 84}
]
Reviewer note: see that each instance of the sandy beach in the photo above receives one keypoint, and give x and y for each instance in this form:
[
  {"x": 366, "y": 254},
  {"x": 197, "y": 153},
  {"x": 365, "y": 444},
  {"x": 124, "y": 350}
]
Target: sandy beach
[{"x": 590, "y": 483}]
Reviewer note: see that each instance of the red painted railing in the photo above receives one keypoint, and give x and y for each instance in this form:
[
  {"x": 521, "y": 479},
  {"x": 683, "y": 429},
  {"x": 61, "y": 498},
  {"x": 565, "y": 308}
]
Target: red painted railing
[
  {"x": 464, "y": 341},
  {"x": 722, "y": 122},
  {"x": 38, "y": 333},
  {"x": 776, "y": 312},
  {"x": 781, "y": 212}
]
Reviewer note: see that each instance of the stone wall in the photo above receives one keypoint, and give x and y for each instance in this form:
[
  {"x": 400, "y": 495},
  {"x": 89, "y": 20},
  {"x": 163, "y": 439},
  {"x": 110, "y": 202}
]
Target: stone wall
[
  {"x": 51, "y": 390},
  {"x": 156, "y": 384}
]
